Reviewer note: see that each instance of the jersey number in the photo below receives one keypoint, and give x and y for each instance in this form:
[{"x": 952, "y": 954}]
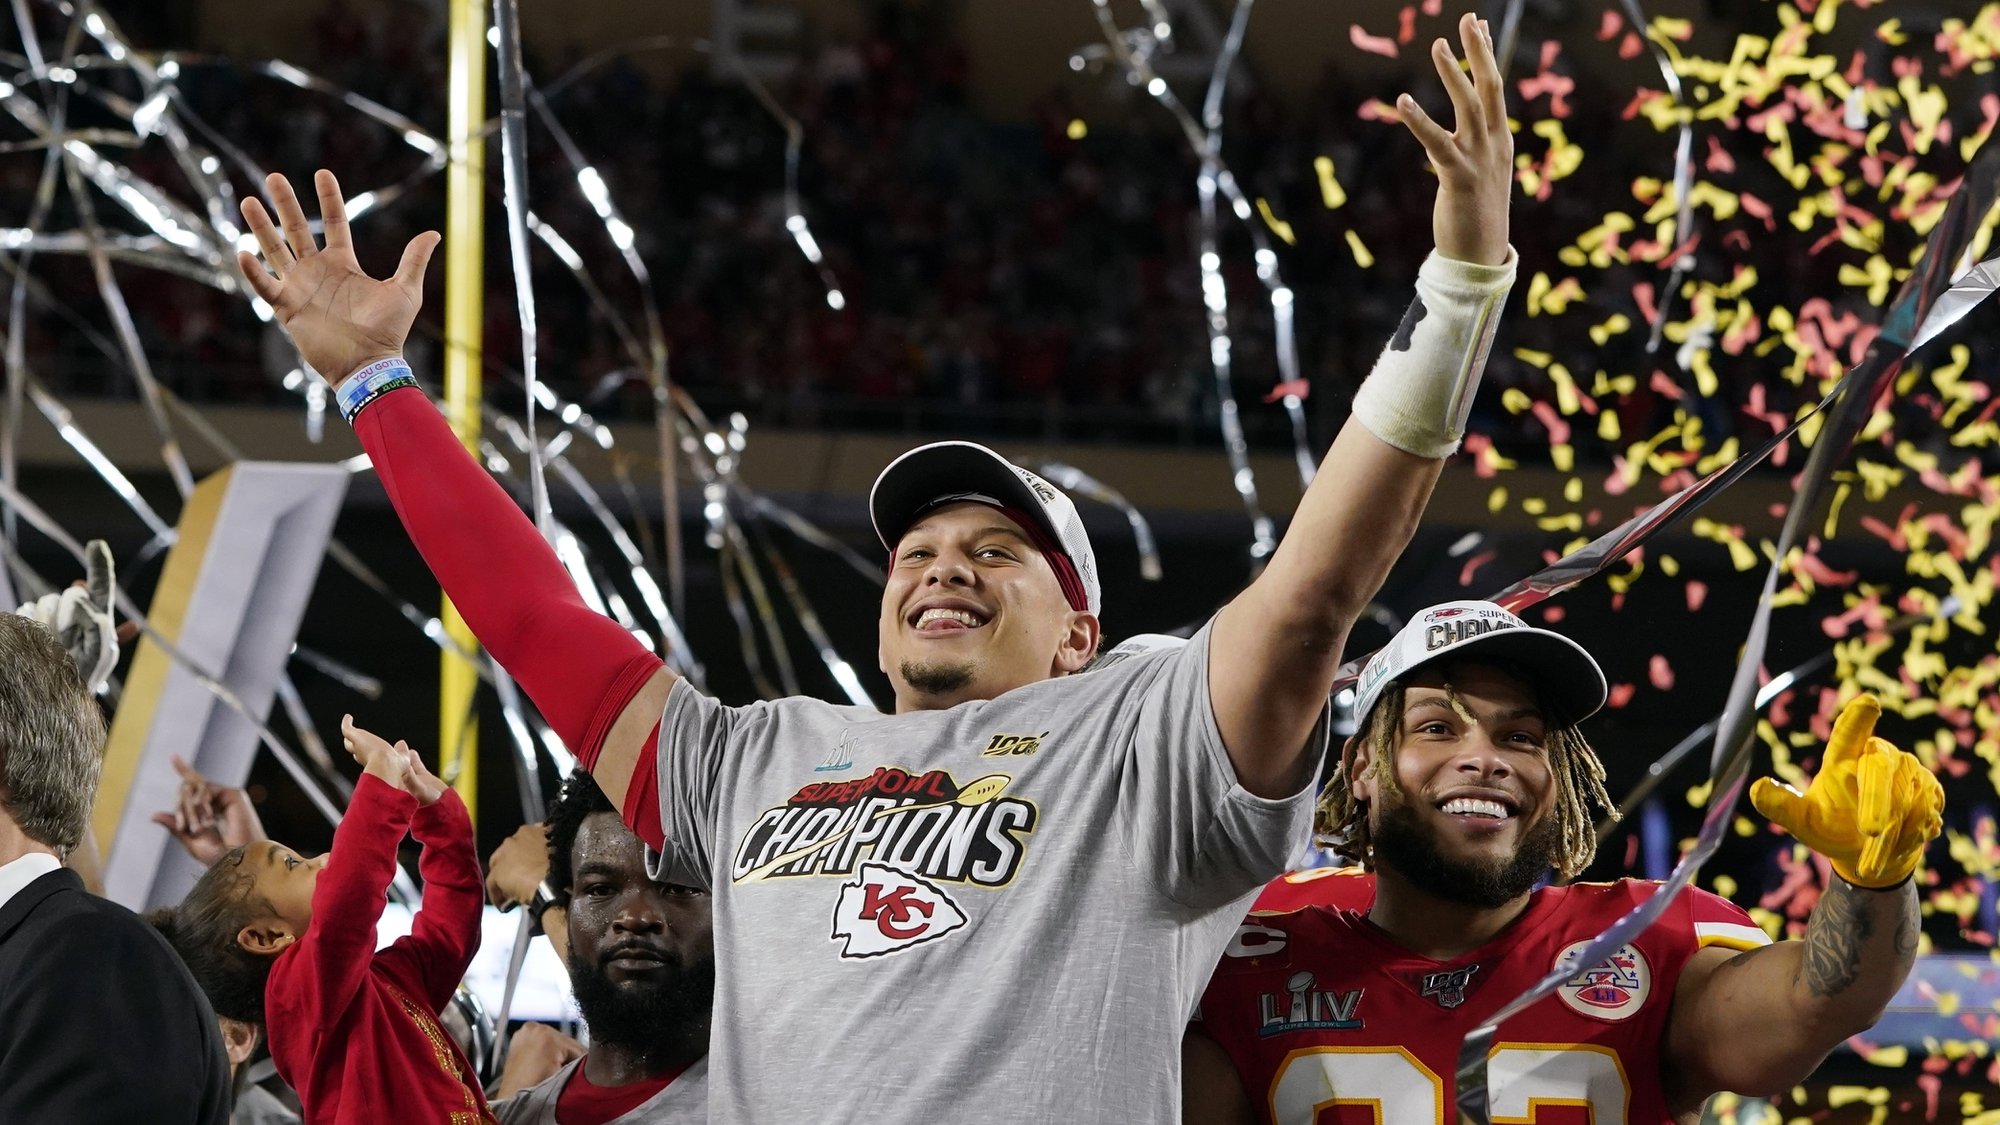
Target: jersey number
[{"x": 1402, "y": 1091}]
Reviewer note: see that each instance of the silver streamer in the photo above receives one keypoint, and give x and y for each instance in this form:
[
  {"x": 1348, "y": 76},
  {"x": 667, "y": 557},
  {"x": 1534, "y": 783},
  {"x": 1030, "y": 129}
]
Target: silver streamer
[
  {"x": 1682, "y": 241},
  {"x": 1778, "y": 685},
  {"x": 514, "y": 181},
  {"x": 1134, "y": 52},
  {"x": 199, "y": 245},
  {"x": 1072, "y": 479}
]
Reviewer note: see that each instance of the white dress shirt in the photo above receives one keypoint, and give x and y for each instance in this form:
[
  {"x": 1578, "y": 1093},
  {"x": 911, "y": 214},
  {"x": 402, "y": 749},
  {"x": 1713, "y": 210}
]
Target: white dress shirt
[{"x": 15, "y": 876}]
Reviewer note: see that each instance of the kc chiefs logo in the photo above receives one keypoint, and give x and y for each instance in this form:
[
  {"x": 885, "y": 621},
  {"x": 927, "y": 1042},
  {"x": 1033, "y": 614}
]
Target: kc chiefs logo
[{"x": 883, "y": 910}]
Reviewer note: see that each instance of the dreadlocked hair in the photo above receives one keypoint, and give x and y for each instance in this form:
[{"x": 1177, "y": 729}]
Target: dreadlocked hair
[
  {"x": 1340, "y": 820},
  {"x": 577, "y": 801},
  {"x": 203, "y": 929}
]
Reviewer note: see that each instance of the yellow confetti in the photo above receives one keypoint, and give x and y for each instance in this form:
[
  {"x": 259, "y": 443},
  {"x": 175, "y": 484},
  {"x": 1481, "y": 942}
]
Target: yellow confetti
[
  {"x": 1895, "y": 1054},
  {"x": 1362, "y": 257},
  {"x": 1837, "y": 1096},
  {"x": 1330, "y": 191},
  {"x": 1278, "y": 226},
  {"x": 1077, "y": 129}
]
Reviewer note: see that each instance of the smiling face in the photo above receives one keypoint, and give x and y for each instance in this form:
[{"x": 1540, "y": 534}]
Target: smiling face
[
  {"x": 1471, "y": 815},
  {"x": 972, "y": 610},
  {"x": 642, "y": 953}
]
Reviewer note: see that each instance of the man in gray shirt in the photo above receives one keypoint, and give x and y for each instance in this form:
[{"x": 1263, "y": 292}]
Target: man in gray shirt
[{"x": 1001, "y": 902}]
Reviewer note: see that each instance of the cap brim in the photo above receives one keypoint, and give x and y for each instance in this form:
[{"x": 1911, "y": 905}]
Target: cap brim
[
  {"x": 918, "y": 478},
  {"x": 1564, "y": 675}
]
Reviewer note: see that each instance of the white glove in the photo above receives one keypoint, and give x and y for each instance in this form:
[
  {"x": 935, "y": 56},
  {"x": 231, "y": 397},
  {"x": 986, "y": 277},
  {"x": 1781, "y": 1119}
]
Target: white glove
[{"x": 80, "y": 617}]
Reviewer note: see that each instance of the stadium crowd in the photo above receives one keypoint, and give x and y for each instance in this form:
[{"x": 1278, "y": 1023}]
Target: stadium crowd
[{"x": 1033, "y": 277}]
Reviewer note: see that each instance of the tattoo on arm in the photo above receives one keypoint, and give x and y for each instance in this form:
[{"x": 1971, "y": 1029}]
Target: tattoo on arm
[{"x": 1841, "y": 924}]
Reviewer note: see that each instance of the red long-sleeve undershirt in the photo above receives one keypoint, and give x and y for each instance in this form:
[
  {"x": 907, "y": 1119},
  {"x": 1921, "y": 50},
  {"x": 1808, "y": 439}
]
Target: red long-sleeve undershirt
[{"x": 580, "y": 667}]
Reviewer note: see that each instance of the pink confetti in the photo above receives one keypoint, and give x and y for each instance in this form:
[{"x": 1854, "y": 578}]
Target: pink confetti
[
  {"x": 1660, "y": 673},
  {"x": 1298, "y": 387},
  {"x": 1757, "y": 209},
  {"x": 1433, "y": 7},
  {"x": 1375, "y": 109},
  {"x": 1697, "y": 593},
  {"x": 1620, "y": 695},
  {"x": 1551, "y": 421},
  {"x": 1373, "y": 44},
  {"x": 1630, "y": 46},
  {"x": 1607, "y": 27},
  {"x": 1553, "y": 614},
  {"x": 1719, "y": 160},
  {"x": 1781, "y": 710},
  {"x": 1823, "y": 574},
  {"x": 1930, "y": 1084},
  {"x": 1642, "y": 295},
  {"x": 1406, "y": 25},
  {"x": 1472, "y": 566}
]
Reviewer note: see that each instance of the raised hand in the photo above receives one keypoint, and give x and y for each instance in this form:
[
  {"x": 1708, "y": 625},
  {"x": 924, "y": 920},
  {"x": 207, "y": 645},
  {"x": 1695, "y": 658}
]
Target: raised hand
[
  {"x": 80, "y": 617},
  {"x": 389, "y": 763},
  {"x": 1475, "y": 163},
  {"x": 418, "y": 779},
  {"x": 209, "y": 819},
  {"x": 1869, "y": 811},
  {"x": 340, "y": 318},
  {"x": 518, "y": 866},
  {"x": 534, "y": 1054}
]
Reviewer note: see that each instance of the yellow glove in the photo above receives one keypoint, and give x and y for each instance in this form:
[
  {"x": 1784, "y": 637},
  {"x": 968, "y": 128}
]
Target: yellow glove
[{"x": 1870, "y": 811}]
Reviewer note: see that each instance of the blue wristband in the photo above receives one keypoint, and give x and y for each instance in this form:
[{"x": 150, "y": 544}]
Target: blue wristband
[{"x": 370, "y": 383}]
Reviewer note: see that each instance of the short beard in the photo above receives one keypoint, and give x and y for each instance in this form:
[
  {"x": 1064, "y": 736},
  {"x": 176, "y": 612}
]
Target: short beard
[
  {"x": 937, "y": 679},
  {"x": 645, "y": 1015},
  {"x": 1401, "y": 841}
]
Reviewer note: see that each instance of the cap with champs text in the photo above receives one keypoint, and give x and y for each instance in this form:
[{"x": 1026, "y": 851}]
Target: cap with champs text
[
  {"x": 1567, "y": 678},
  {"x": 944, "y": 471}
]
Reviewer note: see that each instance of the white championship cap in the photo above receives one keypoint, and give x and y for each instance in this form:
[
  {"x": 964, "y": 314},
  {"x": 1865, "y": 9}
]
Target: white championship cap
[
  {"x": 1568, "y": 679},
  {"x": 948, "y": 471}
]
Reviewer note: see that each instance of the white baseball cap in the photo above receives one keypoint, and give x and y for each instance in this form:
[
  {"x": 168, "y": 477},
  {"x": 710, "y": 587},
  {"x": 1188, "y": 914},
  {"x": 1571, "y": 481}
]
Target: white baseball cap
[
  {"x": 948, "y": 471},
  {"x": 1568, "y": 679}
]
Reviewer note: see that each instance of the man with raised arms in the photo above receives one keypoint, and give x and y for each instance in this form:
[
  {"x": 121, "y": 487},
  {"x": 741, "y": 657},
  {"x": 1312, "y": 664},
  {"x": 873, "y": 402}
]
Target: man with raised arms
[{"x": 1000, "y": 902}]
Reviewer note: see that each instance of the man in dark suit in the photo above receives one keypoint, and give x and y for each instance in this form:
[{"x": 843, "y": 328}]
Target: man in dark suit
[{"x": 99, "y": 1020}]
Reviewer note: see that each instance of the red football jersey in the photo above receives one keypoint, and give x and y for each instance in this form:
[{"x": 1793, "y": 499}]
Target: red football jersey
[{"x": 1329, "y": 1022}]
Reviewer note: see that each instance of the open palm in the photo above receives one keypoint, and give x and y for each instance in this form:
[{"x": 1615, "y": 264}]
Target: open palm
[
  {"x": 340, "y": 318},
  {"x": 1475, "y": 160}
]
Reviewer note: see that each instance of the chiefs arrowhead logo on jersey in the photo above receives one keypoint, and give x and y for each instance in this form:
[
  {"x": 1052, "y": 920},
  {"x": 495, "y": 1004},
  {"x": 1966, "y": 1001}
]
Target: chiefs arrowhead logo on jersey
[
  {"x": 883, "y": 910},
  {"x": 1613, "y": 989}
]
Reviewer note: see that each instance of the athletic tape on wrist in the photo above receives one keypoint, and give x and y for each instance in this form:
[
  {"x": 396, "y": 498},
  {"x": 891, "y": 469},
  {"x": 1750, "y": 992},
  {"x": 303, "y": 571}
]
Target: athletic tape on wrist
[
  {"x": 1420, "y": 392},
  {"x": 372, "y": 382}
]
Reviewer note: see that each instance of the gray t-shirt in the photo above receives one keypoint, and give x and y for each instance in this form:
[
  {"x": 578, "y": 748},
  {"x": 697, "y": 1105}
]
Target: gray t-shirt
[
  {"x": 1004, "y": 912},
  {"x": 684, "y": 1101}
]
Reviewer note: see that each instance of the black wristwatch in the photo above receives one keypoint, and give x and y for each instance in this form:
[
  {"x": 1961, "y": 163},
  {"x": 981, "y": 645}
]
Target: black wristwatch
[{"x": 545, "y": 897}]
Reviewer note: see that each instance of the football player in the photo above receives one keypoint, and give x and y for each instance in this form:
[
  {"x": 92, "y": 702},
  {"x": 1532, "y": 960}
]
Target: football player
[{"x": 1466, "y": 782}]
